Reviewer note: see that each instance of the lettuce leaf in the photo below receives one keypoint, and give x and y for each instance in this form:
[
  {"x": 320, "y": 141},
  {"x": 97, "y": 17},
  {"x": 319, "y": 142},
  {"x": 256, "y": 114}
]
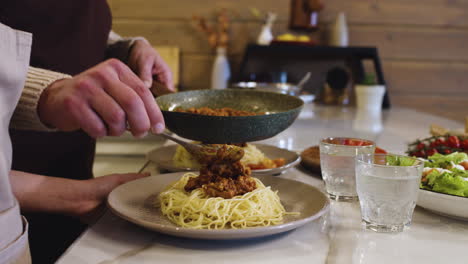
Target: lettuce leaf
[
  {"x": 447, "y": 182},
  {"x": 393, "y": 160},
  {"x": 443, "y": 161}
]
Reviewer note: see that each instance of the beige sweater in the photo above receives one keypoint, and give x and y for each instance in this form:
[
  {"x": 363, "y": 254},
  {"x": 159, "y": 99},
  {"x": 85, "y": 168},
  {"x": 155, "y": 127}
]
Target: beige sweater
[{"x": 25, "y": 115}]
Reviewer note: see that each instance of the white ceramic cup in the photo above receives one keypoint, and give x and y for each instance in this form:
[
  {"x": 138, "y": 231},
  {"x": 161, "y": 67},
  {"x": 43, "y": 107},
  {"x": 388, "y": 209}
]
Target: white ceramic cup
[{"x": 369, "y": 97}]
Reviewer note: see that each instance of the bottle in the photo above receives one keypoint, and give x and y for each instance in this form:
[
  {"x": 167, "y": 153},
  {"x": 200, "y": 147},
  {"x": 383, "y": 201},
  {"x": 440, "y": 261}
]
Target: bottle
[
  {"x": 221, "y": 71},
  {"x": 305, "y": 14},
  {"x": 266, "y": 36}
]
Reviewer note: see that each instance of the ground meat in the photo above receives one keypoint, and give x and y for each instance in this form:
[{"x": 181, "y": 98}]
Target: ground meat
[
  {"x": 226, "y": 111},
  {"x": 229, "y": 187},
  {"x": 223, "y": 177}
]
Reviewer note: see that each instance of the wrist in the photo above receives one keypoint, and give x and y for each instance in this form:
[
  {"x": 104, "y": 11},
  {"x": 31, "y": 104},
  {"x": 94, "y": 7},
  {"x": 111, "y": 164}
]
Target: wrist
[{"x": 45, "y": 103}]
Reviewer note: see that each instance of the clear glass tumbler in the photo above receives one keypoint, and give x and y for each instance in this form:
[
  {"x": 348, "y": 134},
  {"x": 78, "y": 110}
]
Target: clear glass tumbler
[
  {"x": 387, "y": 185},
  {"x": 337, "y": 162}
]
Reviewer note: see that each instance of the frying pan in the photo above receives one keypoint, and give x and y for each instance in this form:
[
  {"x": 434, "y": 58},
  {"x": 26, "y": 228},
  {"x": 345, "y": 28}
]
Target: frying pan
[{"x": 281, "y": 111}]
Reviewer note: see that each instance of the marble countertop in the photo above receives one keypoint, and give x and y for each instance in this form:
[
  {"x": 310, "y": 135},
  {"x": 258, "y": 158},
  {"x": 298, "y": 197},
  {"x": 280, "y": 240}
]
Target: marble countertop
[{"x": 335, "y": 238}]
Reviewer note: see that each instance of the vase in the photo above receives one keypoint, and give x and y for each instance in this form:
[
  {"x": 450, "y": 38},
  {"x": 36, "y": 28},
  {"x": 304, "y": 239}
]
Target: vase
[
  {"x": 339, "y": 32},
  {"x": 221, "y": 71}
]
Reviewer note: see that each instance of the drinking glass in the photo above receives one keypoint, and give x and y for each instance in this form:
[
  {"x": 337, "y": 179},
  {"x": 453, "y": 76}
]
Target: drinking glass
[
  {"x": 337, "y": 162},
  {"x": 387, "y": 191}
]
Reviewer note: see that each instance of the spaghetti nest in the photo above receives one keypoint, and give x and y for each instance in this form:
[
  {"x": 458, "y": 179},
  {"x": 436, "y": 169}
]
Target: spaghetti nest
[{"x": 197, "y": 210}]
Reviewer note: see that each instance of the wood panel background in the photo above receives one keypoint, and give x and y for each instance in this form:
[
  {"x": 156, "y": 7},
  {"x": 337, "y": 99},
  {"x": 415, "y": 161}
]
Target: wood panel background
[{"x": 423, "y": 44}]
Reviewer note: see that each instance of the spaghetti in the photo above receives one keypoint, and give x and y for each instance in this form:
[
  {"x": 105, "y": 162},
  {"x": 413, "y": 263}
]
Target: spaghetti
[{"x": 197, "y": 210}]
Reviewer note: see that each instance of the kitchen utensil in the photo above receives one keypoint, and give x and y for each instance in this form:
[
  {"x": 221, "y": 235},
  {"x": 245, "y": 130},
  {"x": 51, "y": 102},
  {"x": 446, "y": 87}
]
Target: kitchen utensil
[
  {"x": 304, "y": 79},
  {"x": 280, "y": 112},
  {"x": 201, "y": 151}
]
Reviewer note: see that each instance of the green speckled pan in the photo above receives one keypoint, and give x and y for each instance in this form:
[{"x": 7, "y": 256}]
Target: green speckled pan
[{"x": 281, "y": 111}]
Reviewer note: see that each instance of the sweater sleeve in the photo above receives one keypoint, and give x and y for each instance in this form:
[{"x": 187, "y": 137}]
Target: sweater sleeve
[
  {"x": 25, "y": 116},
  {"x": 119, "y": 47}
]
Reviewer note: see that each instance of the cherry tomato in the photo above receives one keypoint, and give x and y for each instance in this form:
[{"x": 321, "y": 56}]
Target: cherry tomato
[
  {"x": 355, "y": 142},
  {"x": 464, "y": 164},
  {"x": 419, "y": 154},
  {"x": 433, "y": 144},
  {"x": 464, "y": 144},
  {"x": 379, "y": 150},
  {"x": 447, "y": 151},
  {"x": 431, "y": 152},
  {"x": 453, "y": 142},
  {"x": 440, "y": 142},
  {"x": 421, "y": 146}
]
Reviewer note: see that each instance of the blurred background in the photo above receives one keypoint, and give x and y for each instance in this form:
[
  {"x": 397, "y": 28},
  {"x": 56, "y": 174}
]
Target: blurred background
[{"x": 422, "y": 44}]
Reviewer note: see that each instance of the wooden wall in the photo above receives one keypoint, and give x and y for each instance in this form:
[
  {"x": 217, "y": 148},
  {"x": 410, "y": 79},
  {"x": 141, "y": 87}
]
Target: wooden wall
[{"x": 423, "y": 44}]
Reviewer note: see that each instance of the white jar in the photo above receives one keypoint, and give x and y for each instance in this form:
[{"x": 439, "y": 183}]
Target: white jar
[
  {"x": 221, "y": 71},
  {"x": 369, "y": 97}
]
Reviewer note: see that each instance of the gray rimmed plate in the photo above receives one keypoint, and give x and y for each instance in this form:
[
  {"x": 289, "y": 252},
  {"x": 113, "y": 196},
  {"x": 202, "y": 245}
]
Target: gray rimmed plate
[
  {"x": 281, "y": 111},
  {"x": 133, "y": 201},
  {"x": 162, "y": 157}
]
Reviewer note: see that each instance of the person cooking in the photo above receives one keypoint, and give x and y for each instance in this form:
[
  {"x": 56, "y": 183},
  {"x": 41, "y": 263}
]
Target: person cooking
[
  {"x": 112, "y": 83},
  {"x": 74, "y": 38}
]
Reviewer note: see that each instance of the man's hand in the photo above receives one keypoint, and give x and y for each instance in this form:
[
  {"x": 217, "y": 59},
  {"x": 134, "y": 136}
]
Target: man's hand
[
  {"x": 146, "y": 63},
  {"x": 79, "y": 198},
  {"x": 92, "y": 194},
  {"x": 103, "y": 100}
]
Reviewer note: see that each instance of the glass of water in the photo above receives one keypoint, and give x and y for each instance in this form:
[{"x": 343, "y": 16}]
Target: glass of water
[
  {"x": 337, "y": 162},
  {"x": 387, "y": 185}
]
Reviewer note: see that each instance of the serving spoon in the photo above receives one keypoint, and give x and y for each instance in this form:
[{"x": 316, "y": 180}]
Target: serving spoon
[{"x": 203, "y": 152}]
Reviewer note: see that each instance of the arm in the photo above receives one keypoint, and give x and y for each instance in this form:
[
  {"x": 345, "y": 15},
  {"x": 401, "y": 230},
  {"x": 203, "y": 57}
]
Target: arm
[
  {"x": 101, "y": 101},
  {"x": 26, "y": 114},
  {"x": 64, "y": 196}
]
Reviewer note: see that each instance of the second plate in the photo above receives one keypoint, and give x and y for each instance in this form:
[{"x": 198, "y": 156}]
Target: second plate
[{"x": 162, "y": 157}]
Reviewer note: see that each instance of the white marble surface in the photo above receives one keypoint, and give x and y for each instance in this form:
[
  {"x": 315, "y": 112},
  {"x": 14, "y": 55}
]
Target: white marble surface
[{"x": 335, "y": 238}]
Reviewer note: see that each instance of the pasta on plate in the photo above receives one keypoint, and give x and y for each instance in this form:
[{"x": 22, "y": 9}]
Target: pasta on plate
[
  {"x": 223, "y": 195},
  {"x": 261, "y": 207}
]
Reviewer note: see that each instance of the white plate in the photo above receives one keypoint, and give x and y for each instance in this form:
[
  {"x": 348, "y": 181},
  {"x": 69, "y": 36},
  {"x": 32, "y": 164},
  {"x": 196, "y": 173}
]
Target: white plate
[
  {"x": 444, "y": 204},
  {"x": 133, "y": 201},
  {"x": 162, "y": 157}
]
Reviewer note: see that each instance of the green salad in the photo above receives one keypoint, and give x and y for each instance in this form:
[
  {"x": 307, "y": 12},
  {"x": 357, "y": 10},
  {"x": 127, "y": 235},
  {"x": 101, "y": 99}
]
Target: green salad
[{"x": 446, "y": 174}]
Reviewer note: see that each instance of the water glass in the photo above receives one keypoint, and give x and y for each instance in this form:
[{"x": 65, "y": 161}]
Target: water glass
[
  {"x": 387, "y": 191},
  {"x": 337, "y": 162}
]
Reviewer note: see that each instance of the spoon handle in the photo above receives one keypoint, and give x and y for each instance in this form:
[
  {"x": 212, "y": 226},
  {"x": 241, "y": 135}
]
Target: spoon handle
[
  {"x": 192, "y": 148},
  {"x": 304, "y": 80}
]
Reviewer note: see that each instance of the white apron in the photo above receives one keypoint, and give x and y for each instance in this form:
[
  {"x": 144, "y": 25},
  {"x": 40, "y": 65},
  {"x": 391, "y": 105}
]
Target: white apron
[{"x": 15, "y": 47}]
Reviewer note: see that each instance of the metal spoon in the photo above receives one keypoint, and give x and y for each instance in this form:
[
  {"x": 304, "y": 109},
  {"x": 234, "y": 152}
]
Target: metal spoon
[
  {"x": 203, "y": 152},
  {"x": 303, "y": 80}
]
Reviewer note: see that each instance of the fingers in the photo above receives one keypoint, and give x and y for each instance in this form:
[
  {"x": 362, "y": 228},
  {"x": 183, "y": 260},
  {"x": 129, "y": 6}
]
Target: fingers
[
  {"x": 156, "y": 120},
  {"x": 107, "y": 183},
  {"x": 145, "y": 69},
  {"x": 93, "y": 193},
  {"x": 147, "y": 62},
  {"x": 163, "y": 73},
  {"x": 132, "y": 105},
  {"x": 89, "y": 121},
  {"x": 110, "y": 112}
]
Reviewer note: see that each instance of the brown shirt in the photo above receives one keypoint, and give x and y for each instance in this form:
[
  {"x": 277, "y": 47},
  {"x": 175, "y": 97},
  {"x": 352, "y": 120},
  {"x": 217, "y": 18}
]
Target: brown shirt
[{"x": 70, "y": 37}]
